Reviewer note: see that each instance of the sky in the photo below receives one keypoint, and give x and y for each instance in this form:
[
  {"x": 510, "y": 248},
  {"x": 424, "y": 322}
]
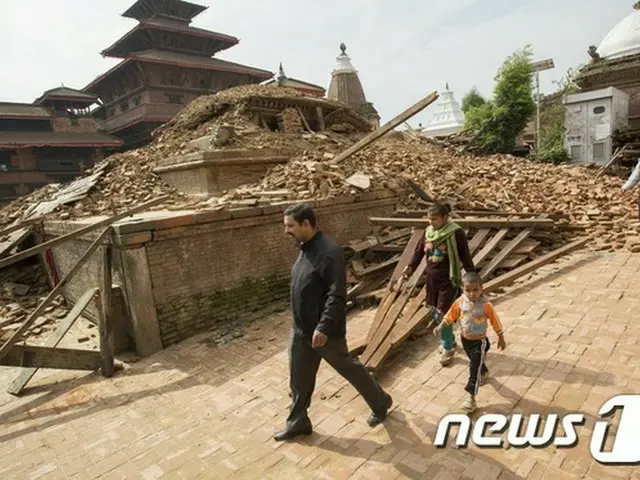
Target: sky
[{"x": 403, "y": 50}]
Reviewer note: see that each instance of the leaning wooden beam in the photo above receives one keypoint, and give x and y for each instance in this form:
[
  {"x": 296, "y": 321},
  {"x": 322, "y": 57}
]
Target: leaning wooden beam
[
  {"x": 615, "y": 157},
  {"x": 387, "y": 127},
  {"x": 504, "y": 253},
  {"x": 424, "y": 196},
  {"x": 509, "y": 277},
  {"x": 106, "y": 327},
  {"x": 407, "y": 255},
  {"x": 38, "y": 311},
  {"x": 469, "y": 213},
  {"x": 31, "y": 356},
  {"x": 27, "y": 374},
  {"x": 477, "y": 239},
  {"x": 394, "y": 311},
  {"x": 78, "y": 233},
  {"x": 465, "y": 222},
  {"x": 304, "y": 121},
  {"x": 18, "y": 226},
  {"x": 489, "y": 247}
]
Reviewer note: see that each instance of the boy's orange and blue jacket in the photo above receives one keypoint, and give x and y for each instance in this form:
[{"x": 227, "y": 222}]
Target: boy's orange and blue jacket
[{"x": 473, "y": 317}]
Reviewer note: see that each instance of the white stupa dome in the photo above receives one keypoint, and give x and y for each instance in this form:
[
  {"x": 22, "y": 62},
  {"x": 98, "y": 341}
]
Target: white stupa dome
[{"x": 623, "y": 39}]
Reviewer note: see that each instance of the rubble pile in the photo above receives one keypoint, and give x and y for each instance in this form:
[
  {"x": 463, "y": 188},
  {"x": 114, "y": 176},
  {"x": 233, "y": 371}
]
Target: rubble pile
[
  {"x": 499, "y": 182},
  {"x": 22, "y": 288}
]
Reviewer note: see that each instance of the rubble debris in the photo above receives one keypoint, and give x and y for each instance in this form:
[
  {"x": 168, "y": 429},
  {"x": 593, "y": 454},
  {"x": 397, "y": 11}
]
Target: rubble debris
[{"x": 498, "y": 182}]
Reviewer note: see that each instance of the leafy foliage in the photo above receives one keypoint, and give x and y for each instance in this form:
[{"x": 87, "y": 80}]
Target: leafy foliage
[
  {"x": 552, "y": 127},
  {"x": 500, "y": 120},
  {"x": 473, "y": 99}
]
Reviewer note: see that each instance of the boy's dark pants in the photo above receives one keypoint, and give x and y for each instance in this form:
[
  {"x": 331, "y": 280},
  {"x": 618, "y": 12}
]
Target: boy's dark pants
[{"x": 476, "y": 350}]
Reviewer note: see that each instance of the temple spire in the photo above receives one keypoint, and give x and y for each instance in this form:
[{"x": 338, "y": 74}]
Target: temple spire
[
  {"x": 449, "y": 117},
  {"x": 345, "y": 87}
]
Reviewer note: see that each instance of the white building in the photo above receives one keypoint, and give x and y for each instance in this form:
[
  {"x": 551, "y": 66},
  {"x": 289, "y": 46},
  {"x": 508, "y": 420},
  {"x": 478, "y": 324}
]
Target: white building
[
  {"x": 448, "y": 119},
  {"x": 591, "y": 118}
]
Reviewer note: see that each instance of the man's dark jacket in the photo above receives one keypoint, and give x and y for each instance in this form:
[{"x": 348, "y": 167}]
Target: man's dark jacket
[{"x": 318, "y": 288}]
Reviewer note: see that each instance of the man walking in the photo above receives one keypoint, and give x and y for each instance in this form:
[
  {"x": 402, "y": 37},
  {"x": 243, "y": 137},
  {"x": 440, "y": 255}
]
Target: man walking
[{"x": 318, "y": 302}]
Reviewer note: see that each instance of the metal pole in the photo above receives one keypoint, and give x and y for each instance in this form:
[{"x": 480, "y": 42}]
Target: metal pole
[{"x": 537, "y": 112}]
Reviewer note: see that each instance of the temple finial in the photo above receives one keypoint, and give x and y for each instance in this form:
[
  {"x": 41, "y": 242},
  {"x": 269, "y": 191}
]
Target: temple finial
[
  {"x": 343, "y": 48},
  {"x": 447, "y": 85}
]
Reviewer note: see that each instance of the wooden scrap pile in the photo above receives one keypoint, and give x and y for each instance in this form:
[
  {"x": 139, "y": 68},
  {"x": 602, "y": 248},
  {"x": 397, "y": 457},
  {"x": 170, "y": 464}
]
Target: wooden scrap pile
[{"x": 504, "y": 248}]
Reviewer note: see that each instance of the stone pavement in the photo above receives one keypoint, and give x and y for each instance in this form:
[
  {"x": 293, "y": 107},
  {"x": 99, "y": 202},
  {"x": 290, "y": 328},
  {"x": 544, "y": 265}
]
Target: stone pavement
[{"x": 198, "y": 410}]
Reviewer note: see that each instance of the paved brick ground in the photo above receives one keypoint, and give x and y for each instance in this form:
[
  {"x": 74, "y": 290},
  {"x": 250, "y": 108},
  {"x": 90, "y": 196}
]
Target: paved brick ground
[{"x": 202, "y": 411}]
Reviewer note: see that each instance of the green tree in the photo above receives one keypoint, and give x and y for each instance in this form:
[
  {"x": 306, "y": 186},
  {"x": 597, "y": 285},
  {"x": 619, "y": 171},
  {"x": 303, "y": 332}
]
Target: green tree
[
  {"x": 473, "y": 99},
  {"x": 499, "y": 121},
  {"x": 552, "y": 118}
]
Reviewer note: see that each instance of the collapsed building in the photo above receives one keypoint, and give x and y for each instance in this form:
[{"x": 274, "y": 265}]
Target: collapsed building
[{"x": 227, "y": 166}]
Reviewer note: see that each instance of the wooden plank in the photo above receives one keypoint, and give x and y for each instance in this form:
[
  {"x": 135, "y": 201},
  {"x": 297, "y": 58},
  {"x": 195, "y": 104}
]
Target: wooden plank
[
  {"x": 387, "y": 127},
  {"x": 358, "y": 247},
  {"x": 477, "y": 239},
  {"x": 390, "y": 318},
  {"x": 514, "y": 261},
  {"x": 12, "y": 240},
  {"x": 469, "y": 213},
  {"x": 466, "y": 222},
  {"x": 139, "y": 292},
  {"x": 27, "y": 374},
  {"x": 78, "y": 233},
  {"x": 504, "y": 253},
  {"x": 105, "y": 325},
  {"x": 400, "y": 335},
  {"x": 419, "y": 192},
  {"x": 384, "y": 349},
  {"x": 381, "y": 313},
  {"x": 406, "y": 255},
  {"x": 509, "y": 277},
  {"x": 30, "y": 356},
  {"x": 388, "y": 248},
  {"x": 38, "y": 311},
  {"x": 20, "y": 225},
  {"x": 304, "y": 121},
  {"x": 491, "y": 244},
  {"x": 380, "y": 266}
]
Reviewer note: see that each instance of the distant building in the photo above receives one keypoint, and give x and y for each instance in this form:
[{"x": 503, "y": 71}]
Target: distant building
[
  {"x": 166, "y": 63},
  {"x": 345, "y": 87},
  {"x": 305, "y": 87},
  {"x": 591, "y": 118},
  {"x": 49, "y": 141},
  {"x": 448, "y": 119},
  {"x": 616, "y": 63}
]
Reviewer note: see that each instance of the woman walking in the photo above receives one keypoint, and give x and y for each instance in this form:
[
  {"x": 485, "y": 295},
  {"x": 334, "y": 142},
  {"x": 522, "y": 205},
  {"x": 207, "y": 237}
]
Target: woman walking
[{"x": 447, "y": 250}]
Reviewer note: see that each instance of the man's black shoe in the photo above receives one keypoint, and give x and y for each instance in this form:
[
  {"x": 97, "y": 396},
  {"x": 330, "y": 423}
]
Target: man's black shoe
[
  {"x": 287, "y": 434},
  {"x": 378, "y": 418}
]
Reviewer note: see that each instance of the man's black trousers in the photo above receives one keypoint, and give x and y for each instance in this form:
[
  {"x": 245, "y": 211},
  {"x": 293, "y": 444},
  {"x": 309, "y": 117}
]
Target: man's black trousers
[{"x": 304, "y": 361}]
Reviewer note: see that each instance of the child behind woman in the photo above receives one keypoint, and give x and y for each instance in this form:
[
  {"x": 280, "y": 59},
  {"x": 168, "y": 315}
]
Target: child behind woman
[{"x": 474, "y": 312}]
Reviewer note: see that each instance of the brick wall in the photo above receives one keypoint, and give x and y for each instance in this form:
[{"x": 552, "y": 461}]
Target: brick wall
[
  {"x": 209, "y": 267},
  {"x": 205, "y": 275}
]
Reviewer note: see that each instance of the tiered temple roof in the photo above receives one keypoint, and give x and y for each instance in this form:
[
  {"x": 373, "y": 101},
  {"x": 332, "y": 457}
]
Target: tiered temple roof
[{"x": 166, "y": 63}]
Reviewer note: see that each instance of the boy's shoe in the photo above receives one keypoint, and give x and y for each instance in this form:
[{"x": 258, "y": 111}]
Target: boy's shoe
[
  {"x": 446, "y": 357},
  {"x": 469, "y": 404}
]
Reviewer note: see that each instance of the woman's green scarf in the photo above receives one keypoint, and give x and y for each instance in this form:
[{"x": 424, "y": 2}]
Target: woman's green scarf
[{"x": 446, "y": 234}]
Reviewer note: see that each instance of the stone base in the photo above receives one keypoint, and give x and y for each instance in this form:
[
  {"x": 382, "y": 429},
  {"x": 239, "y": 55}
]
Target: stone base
[{"x": 211, "y": 173}]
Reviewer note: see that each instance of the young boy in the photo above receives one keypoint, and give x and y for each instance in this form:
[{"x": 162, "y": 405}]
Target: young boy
[{"x": 474, "y": 311}]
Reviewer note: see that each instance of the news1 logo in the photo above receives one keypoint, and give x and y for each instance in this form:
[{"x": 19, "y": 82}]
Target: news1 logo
[{"x": 625, "y": 449}]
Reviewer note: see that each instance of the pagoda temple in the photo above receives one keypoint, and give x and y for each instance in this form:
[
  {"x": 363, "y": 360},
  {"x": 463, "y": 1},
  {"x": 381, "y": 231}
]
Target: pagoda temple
[
  {"x": 305, "y": 87},
  {"x": 166, "y": 63},
  {"x": 345, "y": 87},
  {"x": 449, "y": 118},
  {"x": 616, "y": 63},
  {"x": 51, "y": 140}
]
